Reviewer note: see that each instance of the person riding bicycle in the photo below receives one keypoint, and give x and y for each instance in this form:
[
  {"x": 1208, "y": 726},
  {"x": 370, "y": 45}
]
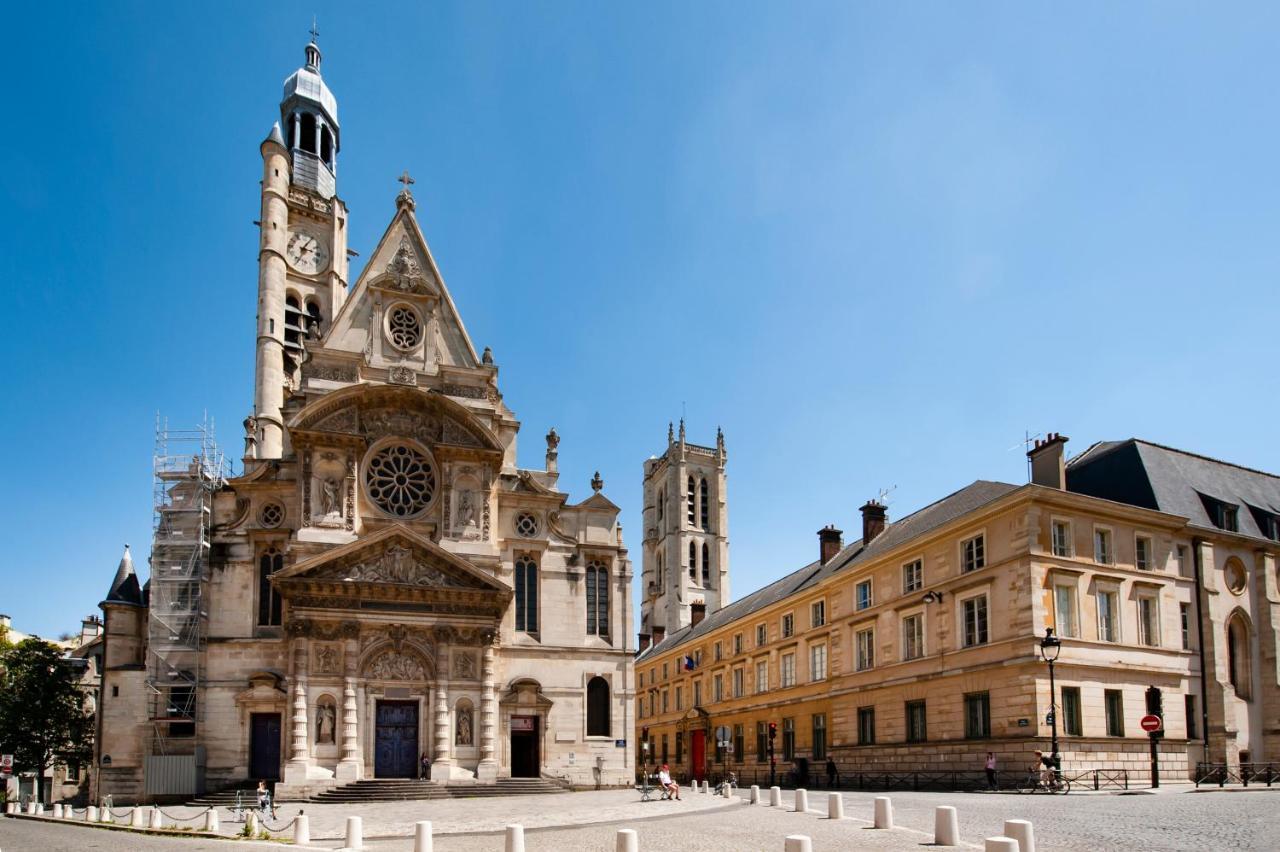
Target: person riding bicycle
[{"x": 1045, "y": 767}]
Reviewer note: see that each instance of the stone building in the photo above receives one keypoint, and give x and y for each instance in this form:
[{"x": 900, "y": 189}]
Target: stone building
[
  {"x": 917, "y": 646},
  {"x": 383, "y": 582}
]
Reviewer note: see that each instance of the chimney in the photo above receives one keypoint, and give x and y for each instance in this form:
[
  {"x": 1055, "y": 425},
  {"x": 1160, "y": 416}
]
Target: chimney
[
  {"x": 644, "y": 643},
  {"x": 873, "y": 518},
  {"x": 697, "y": 612},
  {"x": 4, "y": 620},
  {"x": 830, "y": 542},
  {"x": 659, "y": 633},
  {"x": 1048, "y": 462}
]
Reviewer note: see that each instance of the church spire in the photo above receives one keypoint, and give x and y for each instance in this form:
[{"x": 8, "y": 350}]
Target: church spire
[{"x": 309, "y": 118}]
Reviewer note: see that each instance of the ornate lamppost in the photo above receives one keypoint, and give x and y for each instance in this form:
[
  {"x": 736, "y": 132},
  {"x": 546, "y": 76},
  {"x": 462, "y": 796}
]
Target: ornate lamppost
[{"x": 1050, "y": 647}]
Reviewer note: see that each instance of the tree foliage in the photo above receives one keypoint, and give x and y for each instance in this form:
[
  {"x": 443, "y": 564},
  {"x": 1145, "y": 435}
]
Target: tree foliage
[{"x": 42, "y": 708}]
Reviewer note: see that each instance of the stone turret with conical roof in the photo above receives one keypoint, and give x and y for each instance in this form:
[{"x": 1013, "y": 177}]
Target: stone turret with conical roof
[{"x": 125, "y": 588}]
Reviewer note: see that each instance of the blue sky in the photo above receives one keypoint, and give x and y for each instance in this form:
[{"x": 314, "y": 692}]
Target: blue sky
[{"x": 875, "y": 242}]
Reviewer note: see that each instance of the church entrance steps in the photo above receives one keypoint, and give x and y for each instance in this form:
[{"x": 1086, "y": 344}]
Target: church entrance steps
[
  {"x": 391, "y": 790},
  {"x": 507, "y": 787},
  {"x": 248, "y": 793}
]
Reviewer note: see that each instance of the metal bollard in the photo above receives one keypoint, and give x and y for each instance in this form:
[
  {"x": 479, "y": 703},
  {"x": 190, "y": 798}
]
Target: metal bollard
[
  {"x": 946, "y": 829},
  {"x": 1021, "y": 831},
  {"x": 775, "y": 797},
  {"x": 884, "y": 812},
  {"x": 157, "y": 821},
  {"x": 422, "y": 836},
  {"x": 1000, "y": 844},
  {"x": 301, "y": 830},
  {"x": 515, "y": 839},
  {"x": 627, "y": 841},
  {"x": 802, "y": 801},
  {"x": 755, "y": 794},
  {"x": 91, "y": 813},
  {"x": 211, "y": 820},
  {"x": 355, "y": 833},
  {"x": 798, "y": 843},
  {"x": 835, "y": 806}
]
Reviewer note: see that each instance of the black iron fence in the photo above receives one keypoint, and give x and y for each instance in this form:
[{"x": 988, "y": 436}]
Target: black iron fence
[
  {"x": 936, "y": 780},
  {"x": 1245, "y": 774}
]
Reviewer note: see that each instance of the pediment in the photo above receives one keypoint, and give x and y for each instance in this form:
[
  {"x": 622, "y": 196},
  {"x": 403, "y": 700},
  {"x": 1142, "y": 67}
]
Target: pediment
[{"x": 374, "y": 412}]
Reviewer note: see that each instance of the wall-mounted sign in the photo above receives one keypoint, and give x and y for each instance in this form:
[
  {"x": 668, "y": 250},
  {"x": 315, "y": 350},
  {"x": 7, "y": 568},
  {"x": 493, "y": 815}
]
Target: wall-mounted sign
[
  {"x": 524, "y": 723},
  {"x": 620, "y": 743}
]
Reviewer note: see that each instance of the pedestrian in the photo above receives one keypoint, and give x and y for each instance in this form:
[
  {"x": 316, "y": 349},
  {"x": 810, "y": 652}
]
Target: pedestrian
[
  {"x": 833, "y": 774},
  {"x": 670, "y": 786},
  {"x": 265, "y": 805},
  {"x": 991, "y": 771},
  {"x": 425, "y": 771}
]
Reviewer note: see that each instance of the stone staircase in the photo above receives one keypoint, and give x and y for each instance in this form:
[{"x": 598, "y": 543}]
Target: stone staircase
[
  {"x": 226, "y": 798},
  {"x": 506, "y": 787},
  {"x": 405, "y": 789}
]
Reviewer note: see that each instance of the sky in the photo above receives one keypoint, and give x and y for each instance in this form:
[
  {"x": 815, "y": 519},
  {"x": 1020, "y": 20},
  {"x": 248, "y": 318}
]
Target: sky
[{"x": 877, "y": 243}]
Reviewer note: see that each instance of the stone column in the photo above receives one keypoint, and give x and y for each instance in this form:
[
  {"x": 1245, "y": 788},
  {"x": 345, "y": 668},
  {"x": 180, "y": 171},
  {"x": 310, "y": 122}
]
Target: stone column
[
  {"x": 295, "y": 772},
  {"x": 442, "y": 764},
  {"x": 350, "y": 766},
  {"x": 487, "y": 771}
]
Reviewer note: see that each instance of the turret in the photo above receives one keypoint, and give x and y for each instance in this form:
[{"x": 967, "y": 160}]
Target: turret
[
  {"x": 269, "y": 372},
  {"x": 309, "y": 115}
]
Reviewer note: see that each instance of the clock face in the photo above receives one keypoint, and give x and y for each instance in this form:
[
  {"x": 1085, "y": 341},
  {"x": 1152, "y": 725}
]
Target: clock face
[{"x": 307, "y": 253}]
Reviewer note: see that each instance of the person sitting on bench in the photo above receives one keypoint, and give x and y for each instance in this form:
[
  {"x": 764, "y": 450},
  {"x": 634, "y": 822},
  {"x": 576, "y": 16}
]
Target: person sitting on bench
[{"x": 669, "y": 786}]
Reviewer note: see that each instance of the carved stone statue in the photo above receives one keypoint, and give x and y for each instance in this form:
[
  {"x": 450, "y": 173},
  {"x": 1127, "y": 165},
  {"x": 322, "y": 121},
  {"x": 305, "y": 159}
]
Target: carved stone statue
[
  {"x": 466, "y": 510},
  {"x": 330, "y": 501},
  {"x": 398, "y": 565},
  {"x": 464, "y": 667},
  {"x": 326, "y": 720},
  {"x": 326, "y": 660},
  {"x": 393, "y": 666},
  {"x": 464, "y": 736}
]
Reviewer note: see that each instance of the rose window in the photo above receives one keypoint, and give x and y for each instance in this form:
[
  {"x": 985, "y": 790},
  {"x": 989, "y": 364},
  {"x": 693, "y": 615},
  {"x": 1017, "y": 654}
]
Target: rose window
[
  {"x": 526, "y": 525},
  {"x": 272, "y": 514},
  {"x": 400, "y": 480},
  {"x": 404, "y": 327}
]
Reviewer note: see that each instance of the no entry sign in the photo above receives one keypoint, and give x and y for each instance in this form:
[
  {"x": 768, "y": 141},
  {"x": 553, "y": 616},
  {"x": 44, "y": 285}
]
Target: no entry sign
[{"x": 1151, "y": 723}]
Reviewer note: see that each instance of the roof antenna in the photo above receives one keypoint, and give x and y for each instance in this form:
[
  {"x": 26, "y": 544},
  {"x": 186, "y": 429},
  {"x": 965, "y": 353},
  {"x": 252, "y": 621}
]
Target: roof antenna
[
  {"x": 1027, "y": 441},
  {"x": 885, "y": 492}
]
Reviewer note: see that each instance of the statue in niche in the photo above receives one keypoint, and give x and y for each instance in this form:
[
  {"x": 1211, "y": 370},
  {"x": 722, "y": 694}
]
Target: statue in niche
[
  {"x": 464, "y": 726},
  {"x": 326, "y": 722},
  {"x": 467, "y": 515},
  {"x": 330, "y": 502}
]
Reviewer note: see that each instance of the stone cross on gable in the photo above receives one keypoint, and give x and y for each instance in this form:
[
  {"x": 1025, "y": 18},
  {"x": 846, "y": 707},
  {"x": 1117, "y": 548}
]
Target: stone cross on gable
[{"x": 405, "y": 179}]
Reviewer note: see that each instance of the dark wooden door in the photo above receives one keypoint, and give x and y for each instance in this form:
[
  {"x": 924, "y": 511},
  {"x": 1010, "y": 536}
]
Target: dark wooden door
[
  {"x": 698, "y": 754},
  {"x": 264, "y": 746},
  {"x": 395, "y": 750},
  {"x": 525, "y": 761}
]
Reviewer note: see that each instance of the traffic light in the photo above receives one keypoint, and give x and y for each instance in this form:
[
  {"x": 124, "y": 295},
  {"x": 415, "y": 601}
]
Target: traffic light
[
  {"x": 1155, "y": 701},
  {"x": 773, "y": 730}
]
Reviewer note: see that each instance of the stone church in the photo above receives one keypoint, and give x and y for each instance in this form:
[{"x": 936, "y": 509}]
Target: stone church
[{"x": 382, "y": 584}]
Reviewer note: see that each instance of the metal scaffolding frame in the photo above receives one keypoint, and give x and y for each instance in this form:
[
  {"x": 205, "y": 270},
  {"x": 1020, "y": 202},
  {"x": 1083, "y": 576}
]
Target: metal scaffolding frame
[{"x": 188, "y": 470}]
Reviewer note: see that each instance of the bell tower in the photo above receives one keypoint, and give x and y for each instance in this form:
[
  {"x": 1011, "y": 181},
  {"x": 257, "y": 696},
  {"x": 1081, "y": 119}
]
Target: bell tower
[
  {"x": 302, "y": 249},
  {"x": 686, "y": 543}
]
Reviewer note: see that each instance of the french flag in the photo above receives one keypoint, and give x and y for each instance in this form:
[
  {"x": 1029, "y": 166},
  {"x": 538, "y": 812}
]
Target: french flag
[{"x": 688, "y": 663}]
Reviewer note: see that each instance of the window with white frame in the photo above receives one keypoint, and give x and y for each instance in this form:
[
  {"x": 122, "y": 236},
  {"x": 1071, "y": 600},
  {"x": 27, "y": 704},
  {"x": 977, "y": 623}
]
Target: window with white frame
[
  {"x": 1108, "y": 601},
  {"x": 817, "y": 613},
  {"x": 973, "y": 553},
  {"x": 788, "y": 625},
  {"x": 787, "y": 670},
  {"x": 912, "y": 576},
  {"x": 762, "y": 676},
  {"x": 974, "y": 618},
  {"x": 1180, "y": 559},
  {"x": 1102, "y": 552},
  {"x": 818, "y": 662},
  {"x": 864, "y": 649},
  {"x": 1184, "y": 614},
  {"x": 762, "y": 634},
  {"x": 862, "y": 595},
  {"x": 1148, "y": 620},
  {"x": 1142, "y": 556},
  {"x": 717, "y": 688},
  {"x": 1061, "y": 538},
  {"x": 739, "y": 678},
  {"x": 1066, "y": 617},
  {"x": 913, "y": 636}
]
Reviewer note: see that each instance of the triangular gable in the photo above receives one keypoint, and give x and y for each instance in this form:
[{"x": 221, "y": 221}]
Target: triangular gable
[{"x": 598, "y": 503}]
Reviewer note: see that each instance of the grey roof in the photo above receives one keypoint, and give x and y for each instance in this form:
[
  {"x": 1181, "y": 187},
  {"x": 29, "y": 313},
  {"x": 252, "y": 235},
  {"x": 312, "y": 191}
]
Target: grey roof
[
  {"x": 124, "y": 588},
  {"x": 275, "y": 135},
  {"x": 918, "y": 523},
  {"x": 1170, "y": 480},
  {"x": 306, "y": 84}
]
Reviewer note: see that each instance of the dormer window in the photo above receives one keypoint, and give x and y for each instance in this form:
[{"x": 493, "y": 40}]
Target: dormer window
[{"x": 1223, "y": 515}]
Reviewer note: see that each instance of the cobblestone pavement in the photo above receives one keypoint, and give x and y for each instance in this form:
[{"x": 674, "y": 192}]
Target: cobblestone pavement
[{"x": 30, "y": 836}]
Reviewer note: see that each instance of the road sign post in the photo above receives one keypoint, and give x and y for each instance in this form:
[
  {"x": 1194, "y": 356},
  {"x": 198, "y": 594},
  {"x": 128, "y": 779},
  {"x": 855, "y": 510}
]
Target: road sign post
[{"x": 1154, "y": 726}]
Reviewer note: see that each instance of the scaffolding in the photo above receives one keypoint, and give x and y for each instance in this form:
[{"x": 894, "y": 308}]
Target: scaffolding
[{"x": 188, "y": 470}]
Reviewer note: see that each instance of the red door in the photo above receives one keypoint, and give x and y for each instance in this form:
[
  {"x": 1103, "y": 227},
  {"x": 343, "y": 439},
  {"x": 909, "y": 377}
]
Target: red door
[{"x": 698, "y": 754}]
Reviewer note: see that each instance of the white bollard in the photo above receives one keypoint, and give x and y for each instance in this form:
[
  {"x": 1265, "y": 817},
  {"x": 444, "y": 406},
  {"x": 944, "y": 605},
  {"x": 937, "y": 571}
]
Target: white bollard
[
  {"x": 355, "y": 833},
  {"x": 422, "y": 836},
  {"x": 39, "y": 808},
  {"x": 211, "y": 820},
  {"x": 31, "y": 808},
  {"x": 57, "y": 811},
  {"x": 1000, "y": 844},
  {"x": 515, "y": 839},
  {"x": 135, "y": 817},
  {"x": 106, "y": 814},
  {"x": 884, "y": 812},
  {"x": 91, "y": 813},
  {"x": 10, "y": 807},
  {"x": 627, "y": 841},
  {"x": 835, "y": 806},
  {"x": 798, "y": 843},
  {"x": 802, "y": 801},
  {"x": 946, "y": 829},
  {"x": 706, "y": 786},
  {"x": 775, "y": 797},
  {"x": 157, "y": 820},
  {"x": 755, "y": 794},
  {"x": 301, "y": 830},
  {"x": 1021, "y": 831}
]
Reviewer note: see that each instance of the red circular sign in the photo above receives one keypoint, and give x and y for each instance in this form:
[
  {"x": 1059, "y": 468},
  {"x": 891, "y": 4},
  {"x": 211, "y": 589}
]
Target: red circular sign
[{"x": 1151, "y": 722}]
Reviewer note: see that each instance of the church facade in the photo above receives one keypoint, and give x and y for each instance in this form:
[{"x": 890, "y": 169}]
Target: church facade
[{"x": 383, "y": 584}]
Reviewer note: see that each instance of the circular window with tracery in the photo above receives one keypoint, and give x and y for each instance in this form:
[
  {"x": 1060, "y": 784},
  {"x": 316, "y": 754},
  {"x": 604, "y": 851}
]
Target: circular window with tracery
[
  {"x": 271, "y": 515},
  {"x": 404, "y": 326},
  {"x": 400, "y": 480},
  {"x": 526, "y": 525}
]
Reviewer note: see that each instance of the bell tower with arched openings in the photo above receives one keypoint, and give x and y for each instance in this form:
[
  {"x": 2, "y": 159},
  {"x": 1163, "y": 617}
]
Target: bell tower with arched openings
[{"x": 686, "y": 542}]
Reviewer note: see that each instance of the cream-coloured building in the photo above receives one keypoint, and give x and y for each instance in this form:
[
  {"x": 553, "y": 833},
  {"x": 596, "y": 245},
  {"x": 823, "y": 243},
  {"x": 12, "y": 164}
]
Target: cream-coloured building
[
  {"x": 383, "y": 583},
  {"x": 917, "y": 646}
]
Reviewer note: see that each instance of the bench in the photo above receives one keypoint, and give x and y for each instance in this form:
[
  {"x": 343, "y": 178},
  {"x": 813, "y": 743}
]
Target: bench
[{"x": 646, "y": 790}]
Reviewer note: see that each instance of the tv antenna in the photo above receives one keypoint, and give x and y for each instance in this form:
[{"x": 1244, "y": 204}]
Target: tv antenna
[{"x": 1028, "y": 441}]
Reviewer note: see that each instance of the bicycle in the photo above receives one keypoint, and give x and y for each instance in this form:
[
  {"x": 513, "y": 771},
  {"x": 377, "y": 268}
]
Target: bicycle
[{"x": 1034, "y": 783}]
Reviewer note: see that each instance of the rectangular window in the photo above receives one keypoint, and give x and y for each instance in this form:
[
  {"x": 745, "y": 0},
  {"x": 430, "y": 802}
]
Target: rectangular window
[
  {"x": 1115, "y": 712},
  {"x": 973, "y": 554},
  {"x": 697, "y": 693},
  {"x": 975, "y": 621},
  {"x": 1071, "y": 717},
  {"x": 762, "y": 676},
  {"x": 739, "y": 743},
  {"x": 1184, "y": 616},
  {"x": 762, "y": 739},
  {"x": 865, "y": 644},
  {"x": 1064, "y": 604},
  {"x": 717, "y": 652},
  {"x": 913, "y": 636},
  {"x": 1189, "y": 703},
  {"x": 912, "y": 576},
  {"x": 762, "y": 634},
  {"x": 665, "y": 695},
  {"x": 977, "y": 715},
  {"x": 737, "y": 643},
  {"x": 862, "y": 595},
  {"x": 679, "y": 697},
  {"x": 597, "y": 599},
  {"x": 787, "y": 670},
  {"x": 866, "y": 725},
  {"x": 788, "y": 740},
  {"x": 1180, "y": 559},
  {"x": 1142, "y": 559},
  {"x": 819, "y": 729},
  {"x": 739, "y": 675},
  {"x": 817, "y": 613},
  {"x": 1061, "y": 538},
  {"x": 1108, "y": 628},
  {"x": 717, "y": 688},
  {"x": 917, "y": 731},
  {"x": 1148, "y": 621},
  {"x": 818, "y": 662},
  {"x": 1102, "y": 553},
  {"x": 788, "y": 625}
]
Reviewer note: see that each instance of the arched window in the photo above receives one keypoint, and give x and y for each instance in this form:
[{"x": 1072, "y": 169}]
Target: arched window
[
  {"x": 1238, "y": 671},
  {"x": 326, "y": 146},
  {"x": 308, "y": 132},
  {"x": 597, "y": 599},
  {"x": 706, "y": 565},
  {"x": 597, "y": 707},
  {"x": 313, "y": 317},
  {"x": 526, "y": 594},
  {"x": 691, "y": 499},
  {"x": 693, "y": 562},
  {"x": 293, "y": 130},
  {"x": 268, "y": 598},
  {"x": 706, "y": 514}
]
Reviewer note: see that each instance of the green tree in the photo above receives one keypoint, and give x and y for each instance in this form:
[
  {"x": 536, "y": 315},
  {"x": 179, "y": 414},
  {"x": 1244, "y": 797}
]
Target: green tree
[{"x": 42, "y": 715}]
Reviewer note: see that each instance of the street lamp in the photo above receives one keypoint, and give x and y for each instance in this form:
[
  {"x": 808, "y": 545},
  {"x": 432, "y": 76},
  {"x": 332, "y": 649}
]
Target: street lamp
[{"x": 1050, "y": 647}]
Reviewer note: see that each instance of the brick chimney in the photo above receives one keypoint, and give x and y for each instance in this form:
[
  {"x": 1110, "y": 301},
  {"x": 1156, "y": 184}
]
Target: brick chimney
[
  {"x": 659, "y": 633},
  {"x": 1048, "y": 461},
  {"x": 697, "y": 612},
  {"x": 873, "y": 520},
  {"x": 644, "y": 643},
  {"x": 830, "y": 542}
]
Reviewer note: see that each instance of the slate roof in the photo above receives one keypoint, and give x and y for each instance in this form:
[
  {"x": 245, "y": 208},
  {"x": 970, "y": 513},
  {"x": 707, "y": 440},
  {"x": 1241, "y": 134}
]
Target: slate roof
[
  {"x": 1175, "y": 481},
  {"x": 124, "y": 587},
  {"x": 923, "y": 521}
]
